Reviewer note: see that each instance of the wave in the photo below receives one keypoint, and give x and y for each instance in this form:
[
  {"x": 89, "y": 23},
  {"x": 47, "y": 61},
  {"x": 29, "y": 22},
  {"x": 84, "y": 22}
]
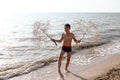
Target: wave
[{"x": 15, "y": 70}]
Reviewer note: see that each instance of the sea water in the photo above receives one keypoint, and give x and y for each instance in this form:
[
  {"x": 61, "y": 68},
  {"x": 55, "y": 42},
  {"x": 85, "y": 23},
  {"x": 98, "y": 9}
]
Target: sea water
[{"x": 22, "y": 52}]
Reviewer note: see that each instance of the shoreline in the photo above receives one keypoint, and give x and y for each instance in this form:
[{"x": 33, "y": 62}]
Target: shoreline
[
  {"x": 113, "y": 74},
  {"x": 101, "y": 66},
  {"x": 98, "y": 67}
]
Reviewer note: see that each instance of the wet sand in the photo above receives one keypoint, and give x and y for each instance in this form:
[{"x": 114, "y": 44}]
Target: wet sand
[{"x": 100, "y": 66}]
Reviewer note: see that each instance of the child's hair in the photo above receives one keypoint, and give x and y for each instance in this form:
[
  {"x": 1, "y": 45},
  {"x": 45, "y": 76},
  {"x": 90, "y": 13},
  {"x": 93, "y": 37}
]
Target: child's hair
[{"x": 67, "y": 25}]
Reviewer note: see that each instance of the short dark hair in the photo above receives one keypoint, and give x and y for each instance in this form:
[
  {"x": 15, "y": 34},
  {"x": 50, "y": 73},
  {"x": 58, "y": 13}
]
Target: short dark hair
[{"x": 67, "y": 25}]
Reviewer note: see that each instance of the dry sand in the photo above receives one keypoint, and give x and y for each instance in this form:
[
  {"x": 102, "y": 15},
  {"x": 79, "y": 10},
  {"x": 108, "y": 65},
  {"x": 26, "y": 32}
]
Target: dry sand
[{"x": 99, "y": 66}]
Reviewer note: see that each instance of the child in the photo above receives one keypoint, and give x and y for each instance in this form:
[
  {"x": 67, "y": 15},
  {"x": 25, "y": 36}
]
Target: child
[{"x": 67, "y": 40}]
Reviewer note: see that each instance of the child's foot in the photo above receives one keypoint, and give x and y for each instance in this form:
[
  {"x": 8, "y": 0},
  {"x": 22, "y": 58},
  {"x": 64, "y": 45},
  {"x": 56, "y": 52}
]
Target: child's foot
[
  {"x": 67, "y": 70},
  {"x": 59, "y": 78}
]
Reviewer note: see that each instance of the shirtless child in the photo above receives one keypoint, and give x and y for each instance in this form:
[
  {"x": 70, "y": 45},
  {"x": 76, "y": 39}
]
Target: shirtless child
[{"x": 67, "y": 39}]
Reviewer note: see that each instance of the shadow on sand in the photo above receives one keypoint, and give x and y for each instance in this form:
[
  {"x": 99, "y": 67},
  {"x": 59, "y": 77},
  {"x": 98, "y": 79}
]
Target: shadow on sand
[{"x": 78, "y": 76}]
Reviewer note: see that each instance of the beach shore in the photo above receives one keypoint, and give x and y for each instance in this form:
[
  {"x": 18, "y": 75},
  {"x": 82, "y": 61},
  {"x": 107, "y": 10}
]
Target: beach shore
[{"x": 99, "y": 67}]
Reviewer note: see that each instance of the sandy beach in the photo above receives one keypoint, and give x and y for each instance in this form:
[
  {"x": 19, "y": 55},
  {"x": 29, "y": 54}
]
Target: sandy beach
[{"x": 99, "y": 68}]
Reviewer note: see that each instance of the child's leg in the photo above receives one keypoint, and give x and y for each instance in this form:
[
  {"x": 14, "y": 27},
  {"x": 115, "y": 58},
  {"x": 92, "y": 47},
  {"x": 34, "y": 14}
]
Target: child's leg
[
  {"x": 68, "y": 60},
  {"x": 59, "y": 63}
]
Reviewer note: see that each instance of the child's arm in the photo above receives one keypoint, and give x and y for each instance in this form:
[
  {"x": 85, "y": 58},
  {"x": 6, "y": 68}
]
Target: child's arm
[
  {"x": 60, "y": 40},
  {"x": 77, "y": 41}
]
